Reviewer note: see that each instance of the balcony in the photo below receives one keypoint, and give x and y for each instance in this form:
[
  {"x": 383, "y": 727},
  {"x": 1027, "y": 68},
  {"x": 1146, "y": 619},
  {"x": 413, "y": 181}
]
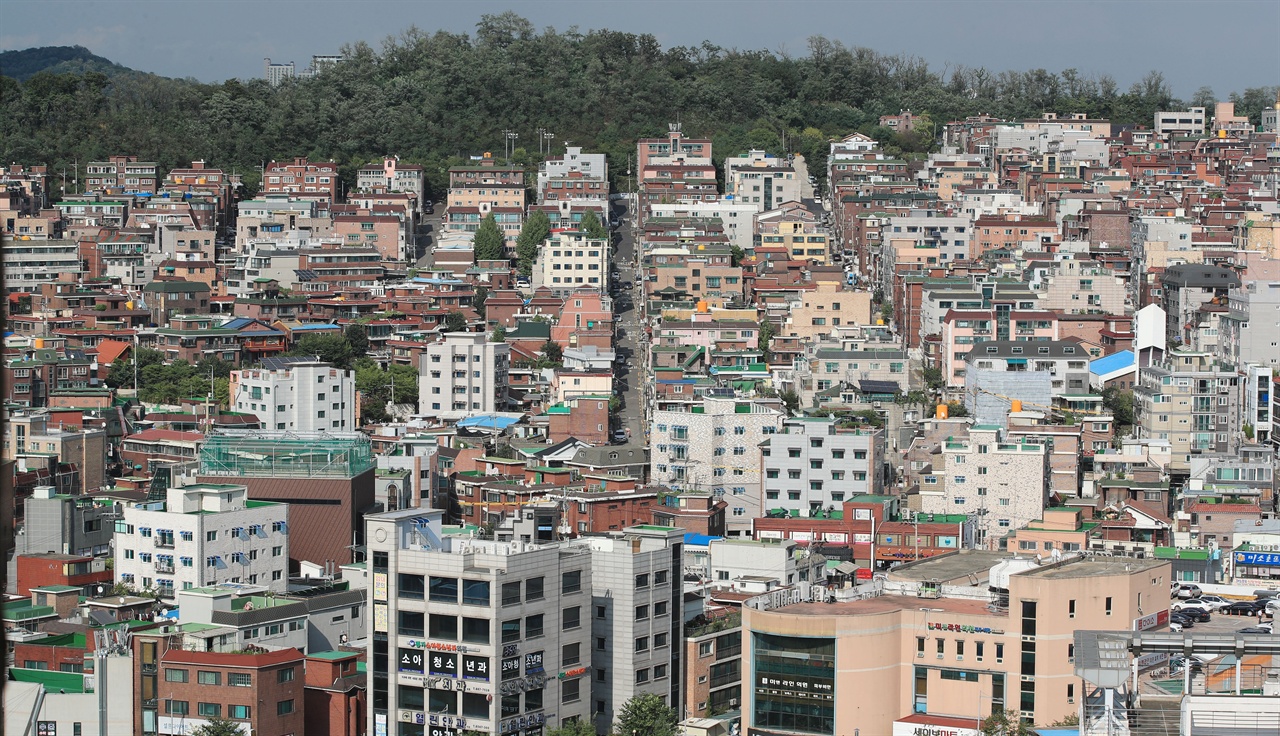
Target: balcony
[
  {"x": 164, "y": 567},
  {"x": 163, "y": 542}
]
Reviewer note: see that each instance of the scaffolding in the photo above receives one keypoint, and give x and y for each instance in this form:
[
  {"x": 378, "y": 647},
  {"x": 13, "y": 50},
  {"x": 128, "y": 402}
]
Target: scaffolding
[{"x": 236, "y": 453}]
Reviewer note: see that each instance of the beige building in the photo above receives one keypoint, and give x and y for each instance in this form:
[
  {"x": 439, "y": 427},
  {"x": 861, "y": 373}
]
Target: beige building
[
  {"x": 1001, "y": 637},
  {"x": 571, "y": 260},
  {"x": 826, "y": 307},
  {"x": 34, "y": 444},
  {"x": 1081, "y": 287}
]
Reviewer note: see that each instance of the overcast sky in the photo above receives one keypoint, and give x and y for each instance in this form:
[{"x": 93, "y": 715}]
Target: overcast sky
[{"x": 1224, "y": 44}]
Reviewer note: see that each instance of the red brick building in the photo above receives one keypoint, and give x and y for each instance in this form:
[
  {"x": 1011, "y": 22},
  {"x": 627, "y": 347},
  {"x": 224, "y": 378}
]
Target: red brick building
[
  {"x": 50, "y": 568},
  {"x": 335, "y": 694},
  {"x": 585, "y": 418},
  {"x": 302, "y": 179},
  {"x": 263, "y": 691}
]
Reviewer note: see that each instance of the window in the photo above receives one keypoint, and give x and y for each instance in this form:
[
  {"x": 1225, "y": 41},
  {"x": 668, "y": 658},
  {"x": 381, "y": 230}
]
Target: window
[
  {"x": 284, "y": 707},
  {"x": 1071, "y": 609},
  {"x": 642, "y": 612},
  {"x": 209, "y": 678},
  {"x": 660, "y": 577},
  {"x": 571, "y": 582},
  {"x": 209, "y": 710},
  {"x": 642, "y": 643},
  {"x": 659, "y": 640},
  {"x": 177, "y": 707},
  {"x": 475, "y": 592},
  {"x": 570, "y": 654},
  {"x": 602, "y": 643},
  {"x": 659, "y": 671},
  {"x": 510, "y": 631},
  {"x": 572, "y": 618},
  {"x": 660, "y": 608},
  {"x": 174, "y": 675},
  {"x": 533, "y": 589},
  {"x": 511, "y": 593},
  {"x": 642, "y": 580},
  {"x": 602, "y": 612},
  {"x": 569, "y": 691},
  {"x": 1108, "y": 605},
  {"x": 444, "y": 590},
  {"x": 642, "y": 675},
  {"x": 239, "y": 712},
  {"x": 284, "y": 675}
]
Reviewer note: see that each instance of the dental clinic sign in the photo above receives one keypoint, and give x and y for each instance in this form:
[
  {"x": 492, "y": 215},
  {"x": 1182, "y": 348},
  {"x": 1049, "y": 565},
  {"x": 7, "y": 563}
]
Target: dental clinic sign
[{"x": 903, "y": 728}]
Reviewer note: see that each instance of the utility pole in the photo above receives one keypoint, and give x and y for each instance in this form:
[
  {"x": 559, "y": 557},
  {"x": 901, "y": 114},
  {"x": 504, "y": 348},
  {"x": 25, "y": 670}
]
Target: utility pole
[
  {"x": 540, "y": 132},
  {"x": 548, "y": 136},
  {"x": 510, "y": 144}
]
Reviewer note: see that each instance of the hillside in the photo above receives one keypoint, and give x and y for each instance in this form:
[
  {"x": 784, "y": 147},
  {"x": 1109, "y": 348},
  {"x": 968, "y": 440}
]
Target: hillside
[{"x": 22, "y": 65}]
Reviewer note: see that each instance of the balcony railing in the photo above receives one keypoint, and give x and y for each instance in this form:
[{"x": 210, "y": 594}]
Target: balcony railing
[{"x": 164, "y": 542}]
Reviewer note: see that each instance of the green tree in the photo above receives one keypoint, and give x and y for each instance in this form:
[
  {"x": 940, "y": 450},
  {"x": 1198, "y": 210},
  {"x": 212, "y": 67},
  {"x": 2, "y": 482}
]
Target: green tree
[
  {"x": 766, "y": 336},
  {"x": 736, "y": 255},
  {"x": 791, "y": 399},
  {"x": 1119, "y": 402},
  {"x": 378, "y": 387},
  {"x": 121, "y": 373},
  {"x": 216, "y": 726},
  {"x": 615, "y": 404},
  {"x": 646, "y": 714},
  {"x": 331, "y": 349},
  {"x": 933, "y": 378},
  {"x": 1004, "y": 723},
  {"x": 535, "y": 231},
  {"x": 455, "y": 322},
  {"x": 552, "y": 352},
  {"x": 477, "y": 301},
  {"x": 576, "y": 727},
  {"x": 499, "y": 334},
  {"x": 489, "y": 244},
  {"x": 592, "y": 226},
  {"x": 357, "y": 337}
]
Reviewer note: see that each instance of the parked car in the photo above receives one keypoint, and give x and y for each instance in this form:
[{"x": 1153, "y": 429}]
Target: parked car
[
  {"x": 1199, "y": 615},
  {"x": 1175, "y": 626},
  {"x": 1187, "y": 590},
  {"x": 1184, "y": 621},
  {"x": 620, "y": 436},
  {"x": 1182, "y": 605},
  {"x": 1214, "y": 602},
  {"x": 1253, "y": 630},
  {"x": 1244, "y": 608}
]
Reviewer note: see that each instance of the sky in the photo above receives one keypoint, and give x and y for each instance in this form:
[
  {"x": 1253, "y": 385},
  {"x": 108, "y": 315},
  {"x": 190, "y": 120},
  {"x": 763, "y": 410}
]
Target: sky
[{"x": 1223, "y": 44}]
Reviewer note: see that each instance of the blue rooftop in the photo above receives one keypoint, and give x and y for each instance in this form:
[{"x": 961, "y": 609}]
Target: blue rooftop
[
  {"x": 318, "y": 326},
  {"x": 488, "y": 421},
  {"x": 1112, "y": 363},
  {"x": 699, "y": 540}
]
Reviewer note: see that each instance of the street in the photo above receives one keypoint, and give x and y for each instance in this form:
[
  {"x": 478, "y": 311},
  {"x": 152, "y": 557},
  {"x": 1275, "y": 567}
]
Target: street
[{"x": 630, "y": 338}]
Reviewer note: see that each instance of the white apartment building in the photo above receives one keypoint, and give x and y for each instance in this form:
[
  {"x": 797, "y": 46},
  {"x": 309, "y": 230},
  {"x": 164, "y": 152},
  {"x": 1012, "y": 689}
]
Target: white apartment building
[
  {"x": 736, "y": 216},
  {"x": 1187, "y": 123},
  {"x": 201, "y": 535},
  {"x": 303, "y": 396},
  {"x": 812, "y": 464},
  {"x": 760, "y": 180},
  {"x": 463, "y": 374},
  {"x": 593, "y": 166},
  {"x": 570, "y": 260},
  {"x": 712, "y": 445},
  {"x": 29, "y": 263},
  {"x": 738, "y": 563},
  {"x": 950, "y": 235},
  {"x": 389, "y": 175},
  {"x": 999, "y": 481},
  {"x": 637, "y": 618},
  {"x": 475, "y": 635}
]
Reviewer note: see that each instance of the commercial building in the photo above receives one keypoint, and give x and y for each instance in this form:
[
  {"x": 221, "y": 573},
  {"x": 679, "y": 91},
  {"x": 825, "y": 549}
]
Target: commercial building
[
  {"x": 711, "y": 445},
  {"x": 463, "y": 374},
  {"x": 471, "y": 634},
  {"x": 260, "y": 692},
  {"x": 813, "y": 464},
  {"x": 201, "y": 535},
  {"x": 297, "y": 395},
  {"x": 1188, "y": 123},
  {"x": 326, "y": 478},
  {"x": 1000, "y": 638}
]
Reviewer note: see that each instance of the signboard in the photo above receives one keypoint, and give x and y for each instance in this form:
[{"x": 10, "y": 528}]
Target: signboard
[
  {"x": 46, "y": 728},
  {"x": 835, "y": 537},
  {"x": 1151, "y": 621},
  {"x": 445, "y": 664},
  {"x": 1154, "y": 659},
  {"x": 379, "y": 724},
  {"x": 1263, "y": 559},
  {"x": 862, "y": 538},
  {"x": 435, "y": 646},
  {"x": 411, "y": 660},
  {"x": 802, "y": 536},
  {"x": 863, "y": 573},
  {"x": 788, "y": 683},
  {"x": 963, "y": 628},
  {"x": 575, "y": 672},
  {"x": 904, "y": 728},
  {"x": 380, "y": 617},
  {"x": 510, "y": 668},
  {"x": 769, "y": 534},
  {"x": 475, "y": 668},
  {"x": 862, "y": 514},
  {"x": 533, "y": 662},
  {"x": 946, "y": 542},
  {"x": 379, "y": 586},
  {"x": 533, "y": 721}
]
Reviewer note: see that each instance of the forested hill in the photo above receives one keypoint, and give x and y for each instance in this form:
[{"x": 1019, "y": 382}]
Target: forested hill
[
  {"x": 434, "y": 97},
  {"x": 22, "y": 65}
]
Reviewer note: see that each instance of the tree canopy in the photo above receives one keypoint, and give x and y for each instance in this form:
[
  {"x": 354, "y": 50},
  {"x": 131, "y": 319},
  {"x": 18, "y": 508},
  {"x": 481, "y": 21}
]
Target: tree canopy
[
  {"x": 535, "y": 231},
  {"x": 647, "y": 714},
  {"x": 489, "y": 241},
  {"x": 436, "y": 97}
]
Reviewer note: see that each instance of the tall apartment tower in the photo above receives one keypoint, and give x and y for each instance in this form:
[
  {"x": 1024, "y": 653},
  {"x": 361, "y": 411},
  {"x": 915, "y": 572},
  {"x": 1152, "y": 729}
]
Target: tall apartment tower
[{"x": 475, "y": 635}]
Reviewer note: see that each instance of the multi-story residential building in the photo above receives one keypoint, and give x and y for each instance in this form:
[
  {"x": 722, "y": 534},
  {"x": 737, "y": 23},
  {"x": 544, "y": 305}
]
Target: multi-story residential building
[
  {"x": 63, "y": 523},
  {"x": 813, "y": 464},
  {"x": 387, "y": 233},
  {"x": 472, "y": 634},
  {"x": 971, "y": 653},
  {"x": 167, "y": 299},
  {"x": 260, "y": 691},
  {"x": 202, "y": 534},
  {"x": 796, "y": 228},
  {"x": 1003, "y": 483},
  {"x": 1185, "y": 289},
  {"x": 33, "y": 379},
  {"x": 734, "y": 216},
  {"x": 762, "y": 180},
  {"x": 30, "y": 263},
  {"x": 307, "y": 395},
  {"x": 824, "y": 308},
  {"x": 703, "y": 272},
  {"x": 671, "y": 149},
  {"x": 1250, "y": 327},
  {"x": 570, "y": 260},
  {"x": 712, "y": 445},
  {"x": 637, "y": 618},
  {"x": 952, "y": 236},
  {"x": 1066, "y": 363},
  {"x": 486, "y": 185},
  {"x": 575, "y": 175},
  {"x": 463, "y": 374},
  {"x": 302, "y": 179},
  {"x": 121, "y": 174},
  {"x": 75, "y": 456},
  {"x": 1191, "y": 400},
  {"x": 1077, "y": 286},
  {"x": 390, "y": 175},
  {"x": 280, "y": 217},
  {"x": 1156, "y": 242},
  {"x": 1189, "y": 123}
]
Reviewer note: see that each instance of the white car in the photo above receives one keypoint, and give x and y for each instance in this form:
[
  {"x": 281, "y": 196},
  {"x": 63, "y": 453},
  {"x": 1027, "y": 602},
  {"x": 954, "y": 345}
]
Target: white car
[{"x": 1212, "y": 602}]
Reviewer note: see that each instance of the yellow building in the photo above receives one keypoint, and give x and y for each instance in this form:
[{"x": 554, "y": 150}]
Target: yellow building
[
  {"x": 825, "y": 307},
  {"x": 937, "y": 648}
]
